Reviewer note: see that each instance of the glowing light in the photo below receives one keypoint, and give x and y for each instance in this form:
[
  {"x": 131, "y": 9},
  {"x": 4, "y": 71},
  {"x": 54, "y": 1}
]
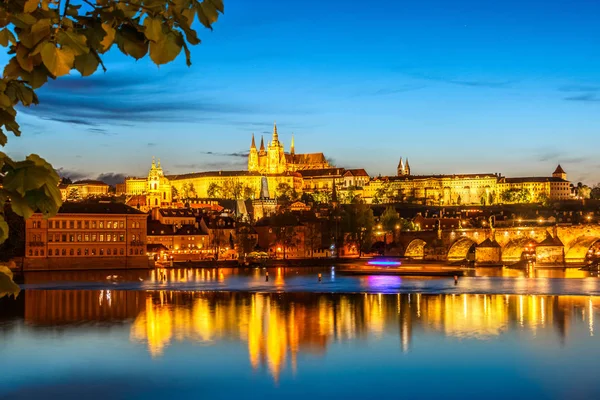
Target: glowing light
[{"x": 384, "y": 263}]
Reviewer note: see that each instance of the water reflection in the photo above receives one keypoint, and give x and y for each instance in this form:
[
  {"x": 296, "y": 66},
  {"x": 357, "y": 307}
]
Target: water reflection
[{"x": 276, "y": 328}]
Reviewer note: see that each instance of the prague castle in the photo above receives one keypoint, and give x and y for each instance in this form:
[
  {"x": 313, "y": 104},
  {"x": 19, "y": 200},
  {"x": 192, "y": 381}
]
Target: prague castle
[
  {"x": 274, "y": 160},
  {"x": 312, "y": 173}
]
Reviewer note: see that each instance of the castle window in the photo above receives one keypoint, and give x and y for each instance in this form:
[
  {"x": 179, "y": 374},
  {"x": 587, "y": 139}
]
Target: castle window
[
  {"x": 71, "y": 252},
  {"x": 93, "y": 252},
  {"x": 78, "y": 252},
  {"x": 64, "y": 252}
]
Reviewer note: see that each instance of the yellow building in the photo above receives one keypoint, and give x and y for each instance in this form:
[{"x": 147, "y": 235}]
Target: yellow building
[
  {"x": 84, "y": 189},
  {"x": 475, "y": 189},
  {"x": 274, "y": 160}
]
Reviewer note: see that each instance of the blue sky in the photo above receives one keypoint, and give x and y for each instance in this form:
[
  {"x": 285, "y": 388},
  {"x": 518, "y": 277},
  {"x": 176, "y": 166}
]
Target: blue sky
[{"x": 457, "y": 87}]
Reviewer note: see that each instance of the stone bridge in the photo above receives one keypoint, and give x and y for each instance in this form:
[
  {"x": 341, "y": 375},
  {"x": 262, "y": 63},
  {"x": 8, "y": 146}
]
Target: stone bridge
[{"x": 551, "y": 245}]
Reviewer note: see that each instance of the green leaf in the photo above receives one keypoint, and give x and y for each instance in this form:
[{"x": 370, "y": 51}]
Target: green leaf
[
  {"x": 3, "y": 229},
  {"x": 218, "y": 4},
  {"x": 20, "y": 206},
  {"x": 6, "y": 36},
  {"x": 154, "y": 29},
  {"x": 131, "y": 42},
  {"x": 166, "y": 50},
  {"x": 39, "y": 76},
  {"x": 58, "y": 61},
  {"x": 31, "y": 5},
  {"x": 25, "y": 179},
  {"x": 86, "y": 64},
  {"x": 109, "y": 37},
  {"x": 5, "y": 101},
  {"x": 73, "y": 40},
  {"x": 7, "y": 286}
]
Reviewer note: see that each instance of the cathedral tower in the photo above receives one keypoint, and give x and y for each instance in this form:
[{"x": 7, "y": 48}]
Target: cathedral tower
[
  {"x": 275, "y": 154},
  {"x": 253, "y": 156},
  {"x": 559, "y": 173},
  {"x": 400, "y": 170}
]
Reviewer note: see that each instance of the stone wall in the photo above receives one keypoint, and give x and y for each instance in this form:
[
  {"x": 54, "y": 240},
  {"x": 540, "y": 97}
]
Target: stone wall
[
  {"x": 487, "y": 255},
  {"x": 83, "y": 263}
]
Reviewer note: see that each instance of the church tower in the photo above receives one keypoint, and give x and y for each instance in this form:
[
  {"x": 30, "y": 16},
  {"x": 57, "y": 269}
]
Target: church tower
[
  {"x": 559, "y": 173},
  {"x": 275, "y": 154},
  {"x": 253, "y": 156},
  {"x": 407, "y": 168},
  {"x": 292, "y": 146},
  {"x": 400, "y": 170},
  {"x": 153, "y": 188}
]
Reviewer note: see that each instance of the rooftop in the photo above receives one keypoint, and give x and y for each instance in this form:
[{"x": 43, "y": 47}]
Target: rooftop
[{"x": 98, "y": 208}]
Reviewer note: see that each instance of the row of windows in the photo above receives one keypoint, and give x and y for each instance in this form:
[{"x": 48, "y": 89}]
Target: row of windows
[
  {"x": 86, "y": 252},
  {"x": 93, "y": 237},
  {"x": 62, "y": 224}
]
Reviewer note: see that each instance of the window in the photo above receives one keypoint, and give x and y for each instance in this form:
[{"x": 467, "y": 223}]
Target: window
[
  {"x": 78, "y": 224},
  {"x": 122, "y": 251},
  {"x": 71, "y": 238},
  {"x": 64, "y": 252},
  {"x": 115, "y": 224},
  {"x": 121, "y": 224},
  {"x": 72, "y": 224},
  {"x": 93, "y": 252},
  {"x": 108, "y": 252},
  {"x": 121, "y": 237},
  {"x": 87, "y": 224},
  {"x": 56, "y": 252},
  {"x": 79, "y": 237},
  {"x": 78, "y": 252},
  {"x": 86, "y": 238},
  {"x": 101, "y": 252},
  {"x": 50, "y": 238},
  {"x": 71, "y": 252},
  {"x": 64, "y": 224},
  {"x": 93, "y": 224},
  {"x": 30, "y": 252},
  {"x": 86, "y": 252},
  {"x": 102, "y": 237},
  {"x": 130, "y": 252},
  {"x": 114, "y": 237},
  {"x": 94, "y": 237},
  {"x": 41, "y": 252},
  {"x": 109, "y": 225},
  {"x": 101, "y": 224},
  {"x": 64, "y": 238}
]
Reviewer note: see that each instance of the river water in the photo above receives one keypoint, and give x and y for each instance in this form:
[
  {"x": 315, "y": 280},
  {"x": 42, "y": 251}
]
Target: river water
[{"x": 224, "y": 334}]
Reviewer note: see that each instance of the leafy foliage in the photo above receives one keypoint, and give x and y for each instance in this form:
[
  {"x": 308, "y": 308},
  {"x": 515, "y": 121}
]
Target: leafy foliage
[
  {"x": 7, "y": 286},
  {"x": 358, "y": 224}
]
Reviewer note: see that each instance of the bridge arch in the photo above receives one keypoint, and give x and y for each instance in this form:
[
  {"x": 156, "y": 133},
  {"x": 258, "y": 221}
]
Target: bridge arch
[
  {"x": 461, "y": 248},
  {"x": 415, "y": 249},
  {"x": 579, "y": 248},
  {"x": 513, "y": 250}
]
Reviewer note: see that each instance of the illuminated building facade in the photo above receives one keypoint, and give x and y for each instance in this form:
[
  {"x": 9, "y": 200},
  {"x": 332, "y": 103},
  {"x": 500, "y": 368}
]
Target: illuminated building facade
[
  {"x": 87, "y": 235},
  {"x": 475, "y": 189}
]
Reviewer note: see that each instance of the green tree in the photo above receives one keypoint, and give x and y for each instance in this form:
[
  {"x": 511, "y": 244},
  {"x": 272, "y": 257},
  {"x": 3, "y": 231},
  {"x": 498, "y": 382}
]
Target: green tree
[
  {"x": 174, "y": 192},
  {"x": 245, "y": 239},
  {"x": 188, "y": 191},
  {"x": 358, "y": 224},
  {"x": 247, "y": 192},
  {"x": 286, "y": 193},
  {"x": 284, "y": 228},
  {"x": 73, "y": 194},
  {"x": 49, "y": 38},
  {"x": 595, "y": 192},
  {"x": 214, "y": 191}
]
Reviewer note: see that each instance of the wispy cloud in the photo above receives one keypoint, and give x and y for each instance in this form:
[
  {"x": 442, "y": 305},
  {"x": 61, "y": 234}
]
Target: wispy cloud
[
  {"x": 73, "y": 175},
  {"x": 554, "y": 155},
  {"x": 112, "y": 178},
  {"x": 151, "y": 144},
  {"x": 393, "y": 89},
  {"x": 475, "y": 83},
  {"x": 579, "y": 88},
  {"x": 119, "y": 99},
  {"x": 216, "y": 153},
  {"x": 585, "y": 97}
]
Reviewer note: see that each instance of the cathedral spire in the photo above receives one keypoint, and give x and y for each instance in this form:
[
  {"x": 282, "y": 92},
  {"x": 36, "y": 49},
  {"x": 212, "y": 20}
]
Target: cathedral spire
[
  {"x": 253, "y": 145},
  {"x": 153, "y": 163},
  {"x": 275, "y": 135},
  {"x": 292, "y": 147},
  {"x": 406, "y": 168},
  {"x": 262, "y": 143},
  {"x": 400, "y": 170}
]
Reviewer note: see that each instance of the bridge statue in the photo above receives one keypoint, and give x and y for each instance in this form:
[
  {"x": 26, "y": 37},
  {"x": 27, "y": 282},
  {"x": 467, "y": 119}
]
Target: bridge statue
[{"x": 492, "y": 229}]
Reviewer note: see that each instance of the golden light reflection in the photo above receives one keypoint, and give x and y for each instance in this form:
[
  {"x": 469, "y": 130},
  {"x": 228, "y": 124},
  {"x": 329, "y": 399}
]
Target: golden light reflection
[{"x": 277, "y": 328}]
